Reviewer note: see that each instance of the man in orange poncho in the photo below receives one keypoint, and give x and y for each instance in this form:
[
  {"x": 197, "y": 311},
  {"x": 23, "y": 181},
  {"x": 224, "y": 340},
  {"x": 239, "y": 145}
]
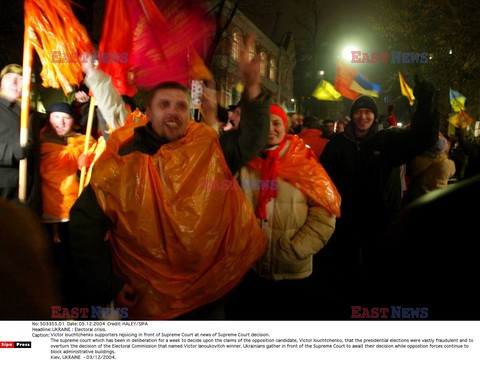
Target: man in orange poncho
[
  {"x": 61, "y": 156},
  {"x": 175, "y": 247},
  {"x": 61, "y": 151}
]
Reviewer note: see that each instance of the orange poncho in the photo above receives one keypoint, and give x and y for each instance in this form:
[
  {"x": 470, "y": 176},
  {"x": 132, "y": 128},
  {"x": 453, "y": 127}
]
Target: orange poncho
[
  {"x": 178, "y": 245},
  {"x": 299, "y": 167},
  {"x": 58, "y": 168}
]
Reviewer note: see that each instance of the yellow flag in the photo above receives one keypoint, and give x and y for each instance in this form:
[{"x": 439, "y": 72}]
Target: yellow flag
[
  {"x": 406, "y": 89},
  {"x": 326, "y": 91},
  {"x": 460, "y": 119}
]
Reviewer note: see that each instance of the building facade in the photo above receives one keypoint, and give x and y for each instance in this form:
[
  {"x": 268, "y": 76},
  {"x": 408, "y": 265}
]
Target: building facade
[{"x": 277, "y": 63}]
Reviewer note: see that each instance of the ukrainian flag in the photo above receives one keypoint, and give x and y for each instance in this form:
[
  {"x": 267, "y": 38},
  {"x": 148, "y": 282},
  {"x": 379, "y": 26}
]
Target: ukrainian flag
[
  {"x": 457, "y": 100},
  {"x": 361, "y": 85},
  {"x": 350, "y": 83}
]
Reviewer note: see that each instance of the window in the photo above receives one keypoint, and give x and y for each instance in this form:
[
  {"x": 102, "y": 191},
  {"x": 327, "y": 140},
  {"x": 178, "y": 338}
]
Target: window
[
  {"x": 273, "y": 69},
  {"x": 263, "y": 63},
  {"x": 251, "y": 51},
  {"x": 236, "y": 39}
]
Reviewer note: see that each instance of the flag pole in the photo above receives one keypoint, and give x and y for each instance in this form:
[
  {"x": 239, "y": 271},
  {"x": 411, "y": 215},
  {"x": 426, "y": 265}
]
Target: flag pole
[
  {"x": 25, "y": 106},
  {"x": 87, "y": 140}
]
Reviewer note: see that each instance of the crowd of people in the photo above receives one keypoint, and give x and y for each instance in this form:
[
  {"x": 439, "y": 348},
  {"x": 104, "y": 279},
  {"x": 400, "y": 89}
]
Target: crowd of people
[{"x": 315, "y": 233}]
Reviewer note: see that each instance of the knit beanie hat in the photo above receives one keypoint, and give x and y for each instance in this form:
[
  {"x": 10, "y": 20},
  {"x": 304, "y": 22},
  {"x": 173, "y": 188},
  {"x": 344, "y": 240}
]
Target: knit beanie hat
[
  {"x": 61, "y": 107},
  {"x": 278, "y": 110},
  {"x": 362, "y": 102}
]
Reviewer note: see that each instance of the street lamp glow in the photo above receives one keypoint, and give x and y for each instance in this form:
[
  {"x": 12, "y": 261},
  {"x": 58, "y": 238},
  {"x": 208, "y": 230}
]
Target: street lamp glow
[
  {"x": 347, "y": 52},
  {"x": 292, "y": 100},
  {"x": 450, "y": 52}
]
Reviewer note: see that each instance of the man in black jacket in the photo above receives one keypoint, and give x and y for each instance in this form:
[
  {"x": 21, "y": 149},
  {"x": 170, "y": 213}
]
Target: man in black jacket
[
  {"x": 10, "y": 150},
  {"x": 364, "y": 165}
]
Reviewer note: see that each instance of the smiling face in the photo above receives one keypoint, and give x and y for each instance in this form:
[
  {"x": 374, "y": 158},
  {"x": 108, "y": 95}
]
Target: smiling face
[
  {"x": 277, "y": 130},
  {"x": 62, "y": 123},
  {"x": 11, "y": 86},
  {"x": 363, "y": 120},
  {"x": 169, "y": 113}
]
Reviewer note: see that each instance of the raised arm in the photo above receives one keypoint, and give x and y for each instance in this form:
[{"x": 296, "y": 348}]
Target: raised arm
[
  {"x": 243, "y": 144},
  {"x": 401, "y": 145},
  {"x": 109, "y": 102}
]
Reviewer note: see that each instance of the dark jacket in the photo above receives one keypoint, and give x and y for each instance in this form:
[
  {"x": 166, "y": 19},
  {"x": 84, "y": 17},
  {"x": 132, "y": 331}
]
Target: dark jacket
[
  {"x": 98, "y": 283},
  {"x": 366, "y": 172},
  {"x": 471, "y": 146},
  {"x": 9, "y": 163},
  {"x": 430, "y": 255}
]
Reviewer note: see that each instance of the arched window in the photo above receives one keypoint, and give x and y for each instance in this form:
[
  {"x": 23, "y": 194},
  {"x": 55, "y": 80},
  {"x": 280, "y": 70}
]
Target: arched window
[
  {"x": 236, "y": 39},
  {"x": 263, "y": 63},
  {"x": 273, "y": 70}
]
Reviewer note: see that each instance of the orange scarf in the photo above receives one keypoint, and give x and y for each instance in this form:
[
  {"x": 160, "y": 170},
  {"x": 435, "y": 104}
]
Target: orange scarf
[
  {"x": 269, "y": 172},
  {"x": 299, "y": 167},
  {"x": 179, "y": 245}
]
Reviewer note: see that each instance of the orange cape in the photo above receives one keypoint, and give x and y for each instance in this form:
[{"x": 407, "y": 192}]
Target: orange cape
[
  {"x": 299, "y": 167},
  {"x": 180, "y": 246},
  {"x": 58, "y": 168}
]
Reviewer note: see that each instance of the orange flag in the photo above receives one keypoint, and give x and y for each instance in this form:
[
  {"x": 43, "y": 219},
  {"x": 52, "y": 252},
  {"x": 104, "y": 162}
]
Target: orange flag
[
  {"x": 164, "y": 42},
  {"x": 117, "y": 39},
  {"x": 343, "y": 80},
  {"x": 59, "y": 39}
]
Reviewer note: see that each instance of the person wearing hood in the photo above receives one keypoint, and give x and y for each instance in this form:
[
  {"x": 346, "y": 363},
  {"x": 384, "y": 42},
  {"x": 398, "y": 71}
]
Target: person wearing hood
[
  {"x": 312, "y": 135},
  {"x": 429, "y": 171},
  {"x": 364, "y": 165}
]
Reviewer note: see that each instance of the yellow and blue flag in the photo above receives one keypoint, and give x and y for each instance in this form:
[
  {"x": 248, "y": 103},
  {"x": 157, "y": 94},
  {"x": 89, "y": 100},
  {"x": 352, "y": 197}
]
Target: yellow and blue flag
[
  {"x": 350, "y": 83},
  {"x": 363, "y": 86},
  {"x": 457, "y": 100}
]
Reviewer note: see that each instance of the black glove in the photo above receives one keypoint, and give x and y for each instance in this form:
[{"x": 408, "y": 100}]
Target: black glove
[
  {"x": 425, "y": 93},
  {"x": 21, "y": 152}
]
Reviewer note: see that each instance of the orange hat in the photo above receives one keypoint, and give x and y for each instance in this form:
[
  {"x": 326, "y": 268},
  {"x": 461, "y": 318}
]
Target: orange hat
[{"x": 278, "y": 110}]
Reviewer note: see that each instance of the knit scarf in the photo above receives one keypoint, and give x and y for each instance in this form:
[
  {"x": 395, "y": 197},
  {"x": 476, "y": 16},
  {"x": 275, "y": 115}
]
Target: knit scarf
[{"x": 269, "y": 172}]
